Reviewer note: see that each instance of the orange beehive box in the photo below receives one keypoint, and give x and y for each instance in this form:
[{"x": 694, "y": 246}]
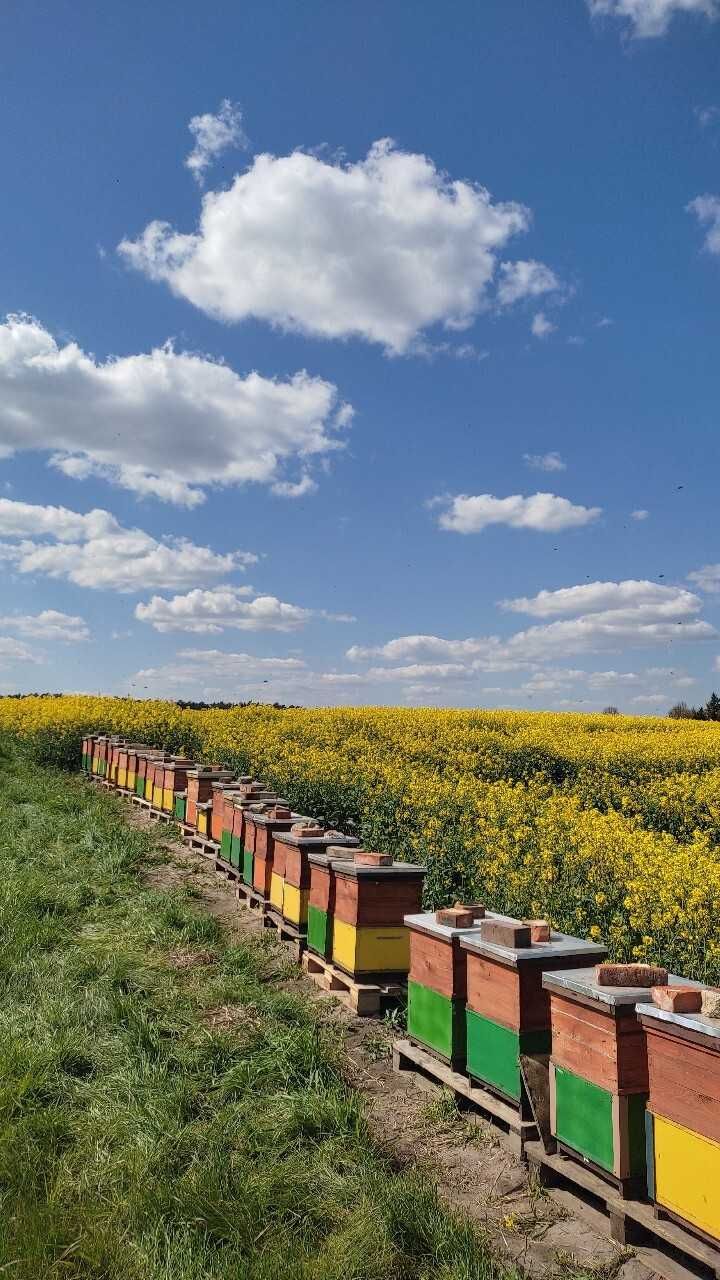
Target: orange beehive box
[
  {"x": 239, "y": 856},
  {"x": 268, "y": 861},
  {"x": 199, "y": 787},
  {"x": 219, "y": 790}
]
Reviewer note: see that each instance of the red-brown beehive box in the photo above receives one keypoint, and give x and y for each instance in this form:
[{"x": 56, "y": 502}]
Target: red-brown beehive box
[
  {"x": 219, "y": 791},
  {"x": 268, "y": 861},
  {"x": 371, "y": 902}
]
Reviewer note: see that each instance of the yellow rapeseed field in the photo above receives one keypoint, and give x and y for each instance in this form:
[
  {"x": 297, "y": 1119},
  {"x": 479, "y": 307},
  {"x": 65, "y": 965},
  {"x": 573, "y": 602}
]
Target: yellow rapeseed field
[{"x": 608, "y": 825}]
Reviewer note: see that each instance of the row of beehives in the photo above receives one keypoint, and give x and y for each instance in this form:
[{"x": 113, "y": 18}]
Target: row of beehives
[{"x": 634, "y": 1053}]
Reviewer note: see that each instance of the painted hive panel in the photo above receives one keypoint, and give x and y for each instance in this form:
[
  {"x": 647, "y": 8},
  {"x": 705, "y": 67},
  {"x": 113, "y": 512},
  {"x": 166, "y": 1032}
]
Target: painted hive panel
[
  {"x": 295, "y": 904},
  {"x": 370, "y": 950},
  {"x": 583, "y": 1117},
  {"x": 687, "y": 1175},
  {"x": 610, "y": 1052},
  {"x": 493, "y": 1054},
  {"x": 438, "y": 964},
  {"x": 246, "y": 861},
  {"x": 493, "y": 990},
  {"x": 437, "y": 1021},
  {"x": 364, "y": 901},
  {"x": 276, "y": 890},
  {"x": 684, "y": 1082},
  {"x": 320, "y": 888},
  {"x": 319, "y": 934}
]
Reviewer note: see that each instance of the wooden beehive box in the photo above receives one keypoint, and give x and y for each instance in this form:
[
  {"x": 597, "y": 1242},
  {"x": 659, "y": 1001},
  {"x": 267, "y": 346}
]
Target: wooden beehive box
[
  {"x": 299, "y": 848},
  {"x": 599, "y": 1073},
  {"x": 157, "y": 779},
  {"x": 133, "y": 755},
  {"x": 369, "y": 932},
  {"x": 321, "y": 897},
  {"x": 268, "y": 858},
  {"x": 437, "y": 985},
  {"x": 100, "y": 755},
  {"x": 174, "y": 779},
  {"x": 88, "y": 743},
  {"x": 240, "y": 856},
  {"x": 219, "y": 791},
  {"x": 683, "y": 1116},
  {"x": 199, "y": 788},
  {"x": 508, "y": 1011}
]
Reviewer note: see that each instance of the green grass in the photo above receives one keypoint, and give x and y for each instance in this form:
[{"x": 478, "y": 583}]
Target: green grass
[{"x": 175, "y": 1123}]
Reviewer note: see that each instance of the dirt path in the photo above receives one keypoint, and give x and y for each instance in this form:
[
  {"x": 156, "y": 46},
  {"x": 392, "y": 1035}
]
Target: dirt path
[{"x": 419, "y": 1124}]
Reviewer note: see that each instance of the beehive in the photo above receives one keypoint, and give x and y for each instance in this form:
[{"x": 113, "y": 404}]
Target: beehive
[
  {"x": 203, "y": 813},
  {"x": 437, "y": 985},
  {"x": 88, "y": 743},
  {"x": 300, "y": 844},
  {"x": 683, "y": 1116},
  {"x": 321, "y": 898},
  {"x": 134, "y": 751},
  {"x": 219, "y": 813},
  {"x": 154, "y": 779},
  {"x": 199, "y": 788},
  {"x": 261, "y": 827},
  {"x": 179, "y": 805},
  {"x": 369, "y": 932},
  {"x": 599, "y": 1072},
  {"x": 508, "y": 1011},
  {"x": 174, "y": 778},
  {"x": 241, "y": 857},
  {"x": 100, "y": 746}
]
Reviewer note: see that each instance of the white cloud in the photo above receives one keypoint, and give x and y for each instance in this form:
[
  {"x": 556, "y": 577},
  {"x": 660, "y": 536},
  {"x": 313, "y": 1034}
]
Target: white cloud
[
  {"x": 545, "y": 461},
  {"x": 94, "y": 550},
  {"x": 640, "y": 514},
  {"x": 381, "y": 249},
  {"x": 213, "y": 134},
  {"x": 220, "y": 608},
  {"x": 48, "y": 625},
  {"x": 542, "y": 512},
  {"x": 707, "y": 115},
  {"x": 299, "y": 489},
  {"x": 651, "y": 17},
  {"x": 611, "y": 617},
  {"x": 541, "y": 327},
  {"x": 707, "y": 578},
  {"x": 163, "y": 423},
  {"x": 707, "y": 210},
  {"x": 651, "y": 699},
  {"x": 14, "y": 651},
  {"x": 641, "y": 598},
  {"x": 519, "y": 280}
]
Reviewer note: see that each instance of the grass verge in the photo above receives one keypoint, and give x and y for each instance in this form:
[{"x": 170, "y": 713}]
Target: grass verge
[{"x": 167, "y": 1107}]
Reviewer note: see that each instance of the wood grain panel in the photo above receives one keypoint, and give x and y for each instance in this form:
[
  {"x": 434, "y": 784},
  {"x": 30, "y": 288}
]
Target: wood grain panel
[
  {"x": 262, "y": 874},
  {"x": 365, "y": 901},
  {"x": 322, "y": 889},
  {"x": 297, "y": 867},
  {"x": 609, "y": 1052},
  {"x": 493, "y": 990},
  {"x": 438, "y": 964},
  {"x": 684, "y": 1083}
]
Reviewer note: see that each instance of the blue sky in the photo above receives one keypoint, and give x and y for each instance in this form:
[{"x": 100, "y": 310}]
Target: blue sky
[{"x": 361, "y": 353}]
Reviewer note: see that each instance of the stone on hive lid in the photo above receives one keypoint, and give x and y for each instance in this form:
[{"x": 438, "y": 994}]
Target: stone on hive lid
[
  {"x": 307, "y": 827},
  {"x": 369, "y": 858},
  {"x": 677, "y": 999},
  {"x": 456, "y": 917},
  {"x": 710, "y": 1003},
  {"x": 539, "y": 930},
  {"x": 631, "y": 975},
  {"x": 506, "y": 933}
]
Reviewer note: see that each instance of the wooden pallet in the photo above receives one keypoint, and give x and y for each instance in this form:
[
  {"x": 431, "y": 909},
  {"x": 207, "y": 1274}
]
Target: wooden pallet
[
  {"x": 141, "y": 802},
  {"x": 517, "y": 1131},
  {"x": 226, "y": 870},
  {"x": 295, "y": 939},
  {"x": 662, "y": 1243},
  {"x": 250, "y": 898},
  {"x": 366, "y": 999}
]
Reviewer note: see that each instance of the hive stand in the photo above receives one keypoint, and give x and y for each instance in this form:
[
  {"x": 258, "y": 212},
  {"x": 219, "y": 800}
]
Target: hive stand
[{"x": 366, "y": 999}]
